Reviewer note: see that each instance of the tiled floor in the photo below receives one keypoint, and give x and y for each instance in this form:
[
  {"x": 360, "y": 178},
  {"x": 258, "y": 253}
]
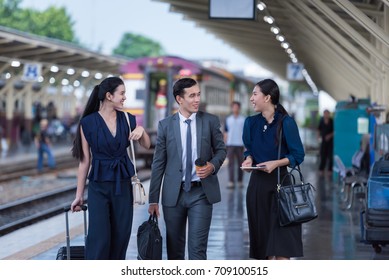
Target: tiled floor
[{"x": 335, "y": 235}]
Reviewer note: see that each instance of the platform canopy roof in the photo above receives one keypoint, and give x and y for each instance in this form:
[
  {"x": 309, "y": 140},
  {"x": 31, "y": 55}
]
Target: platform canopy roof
[
  {"x": 344, "y": 45},
  {"x": 28, "y": 48}
]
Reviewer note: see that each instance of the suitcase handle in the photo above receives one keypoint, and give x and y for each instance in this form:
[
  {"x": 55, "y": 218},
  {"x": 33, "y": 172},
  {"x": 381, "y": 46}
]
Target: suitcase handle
[
  {"x": 83, "y": 207},
  {"x": 67, "y": 209},
  {"x": 384, "y": 171}
]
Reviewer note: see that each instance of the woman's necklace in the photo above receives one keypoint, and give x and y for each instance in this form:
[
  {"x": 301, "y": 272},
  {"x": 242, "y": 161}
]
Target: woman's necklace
[{"x": 266, "y": 125}]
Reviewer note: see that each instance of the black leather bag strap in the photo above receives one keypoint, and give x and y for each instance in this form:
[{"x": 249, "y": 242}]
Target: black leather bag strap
[{"x": 279, "y": 155}]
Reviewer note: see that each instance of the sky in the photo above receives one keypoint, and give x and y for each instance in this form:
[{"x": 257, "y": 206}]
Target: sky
[{"x": 101, "y": 24}]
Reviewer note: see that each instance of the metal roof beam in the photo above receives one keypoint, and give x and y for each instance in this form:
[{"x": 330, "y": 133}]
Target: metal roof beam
[
  {"x": 363, "y": 20},
  {"x": 250, "y": 30},
  {"x": 51, "y": 58},
  {"x": 192, "y": 5},
  {"x": 233, "y": 37},
  {"x": 333, "y": 52},
  {"x": 350, "y": 31},
  {"x": 11, "y": 49},
  {"x": 45, "y": 50},
  {"x": 336, "y": 85},
  {"x": 357, "y": 53},
  {"x": 35, "y": 52},
  {"x": 285, "y": 23},
  {"x": 368, "y": 9}
]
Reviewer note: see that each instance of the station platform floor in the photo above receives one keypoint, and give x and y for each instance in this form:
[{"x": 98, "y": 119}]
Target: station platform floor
[{"x": 334, "y": 235}]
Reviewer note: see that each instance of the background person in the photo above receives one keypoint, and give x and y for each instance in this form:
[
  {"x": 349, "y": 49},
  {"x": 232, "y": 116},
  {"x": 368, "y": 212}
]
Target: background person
[
  {"x": 268, "y": 240},
  {"x": 234, "y": 143},
  {"x": 188, "y": 194},
  {"x": 101, "y": 141},
  {"x": 43, "y": 145},
  {"x": 160, "y": 102},
  {"x": 326, "y": 132},
  {"x": 3, "y": 143}
]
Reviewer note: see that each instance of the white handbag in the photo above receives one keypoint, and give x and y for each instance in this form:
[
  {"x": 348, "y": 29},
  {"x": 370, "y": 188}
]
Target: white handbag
[{"x": 138, "y": 190}]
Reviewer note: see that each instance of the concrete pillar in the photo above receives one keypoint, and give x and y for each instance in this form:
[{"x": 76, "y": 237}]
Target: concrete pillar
[
  {"x": 385, "y": 81},
  {"x": 59, "y": 104},
  {"x": 9, "y": 113},
  {"x": 28, "y": 111}
]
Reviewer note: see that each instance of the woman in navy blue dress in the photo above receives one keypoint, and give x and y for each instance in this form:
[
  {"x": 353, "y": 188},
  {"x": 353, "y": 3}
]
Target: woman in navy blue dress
[
  {"x": 102, "y": 138},
  {"x": 268, "y": 240}
]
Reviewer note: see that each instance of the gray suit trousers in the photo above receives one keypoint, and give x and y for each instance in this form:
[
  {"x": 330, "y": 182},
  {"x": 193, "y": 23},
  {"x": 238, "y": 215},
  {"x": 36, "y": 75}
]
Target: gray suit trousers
[{"x": 193, "y": 207}]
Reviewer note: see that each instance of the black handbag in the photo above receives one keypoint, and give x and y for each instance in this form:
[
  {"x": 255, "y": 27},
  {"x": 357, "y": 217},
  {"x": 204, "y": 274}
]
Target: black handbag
[
  {"x": 149, "y": 240},
  {"x": 296, "y": 202}
]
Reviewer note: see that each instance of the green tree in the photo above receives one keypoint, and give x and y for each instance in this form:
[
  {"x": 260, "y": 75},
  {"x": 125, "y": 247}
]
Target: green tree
[
  {"x": 135, "y": 46},
  {"x": 53, "y": 22}
]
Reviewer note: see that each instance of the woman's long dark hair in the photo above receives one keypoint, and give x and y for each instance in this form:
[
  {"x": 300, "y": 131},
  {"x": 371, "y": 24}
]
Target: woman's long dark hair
[
  {"x": 98, "y": 95},
  {"x": 270, "y": 87}
]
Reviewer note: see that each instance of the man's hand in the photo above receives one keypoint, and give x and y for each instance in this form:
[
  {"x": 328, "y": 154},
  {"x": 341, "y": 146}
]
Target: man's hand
[
  {"x": 154, "y": 208},
  {"x": 205, "y": 171}
]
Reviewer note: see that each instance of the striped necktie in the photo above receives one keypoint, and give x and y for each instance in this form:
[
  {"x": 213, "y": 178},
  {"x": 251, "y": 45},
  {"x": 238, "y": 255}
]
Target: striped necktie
[{"x": 188, "y": 167}]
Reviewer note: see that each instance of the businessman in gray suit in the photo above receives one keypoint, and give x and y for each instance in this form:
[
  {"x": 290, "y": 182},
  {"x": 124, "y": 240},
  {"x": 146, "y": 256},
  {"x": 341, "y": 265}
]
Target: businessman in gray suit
[{"x": 188, "y": 191}]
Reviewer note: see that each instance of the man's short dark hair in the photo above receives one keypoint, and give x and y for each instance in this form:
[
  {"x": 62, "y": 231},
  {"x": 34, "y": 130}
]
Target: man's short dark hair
[
  {"x": 235, "y": 103},
  {"x": 181, "y": 85}
]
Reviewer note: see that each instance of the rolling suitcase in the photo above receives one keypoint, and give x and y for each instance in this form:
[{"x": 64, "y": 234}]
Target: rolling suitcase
[
  {"x": 72, "y": 252},
  {"x": 375, "y": 218}
]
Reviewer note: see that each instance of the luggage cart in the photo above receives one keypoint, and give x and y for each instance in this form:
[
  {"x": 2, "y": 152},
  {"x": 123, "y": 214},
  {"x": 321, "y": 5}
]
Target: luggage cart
[{"x": 375, "y": 217}]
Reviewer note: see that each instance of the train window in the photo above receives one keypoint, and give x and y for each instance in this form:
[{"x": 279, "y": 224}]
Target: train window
[
  {"x": 216, "y": 95},
  {"x": 140, "y": 94}
]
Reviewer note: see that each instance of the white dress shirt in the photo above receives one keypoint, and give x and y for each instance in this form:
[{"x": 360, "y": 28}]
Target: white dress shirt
[{"x": 183, "y": 130}]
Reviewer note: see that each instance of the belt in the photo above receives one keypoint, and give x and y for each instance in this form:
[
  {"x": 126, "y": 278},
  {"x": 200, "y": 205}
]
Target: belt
[{"x": 192, "y": 184}]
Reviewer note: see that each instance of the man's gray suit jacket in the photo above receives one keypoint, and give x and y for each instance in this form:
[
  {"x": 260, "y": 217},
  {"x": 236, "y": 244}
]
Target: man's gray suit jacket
[{"x": 167, "y": 169}]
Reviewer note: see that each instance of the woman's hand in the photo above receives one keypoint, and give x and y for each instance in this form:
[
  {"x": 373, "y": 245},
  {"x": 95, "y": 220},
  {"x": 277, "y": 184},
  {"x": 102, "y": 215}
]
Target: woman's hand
[
  {"x": 137, "y": 133},
  {"x": 76, "y": 204},
  {"x": 248, "y": 162},
  {"x": 141, "y": 135}
]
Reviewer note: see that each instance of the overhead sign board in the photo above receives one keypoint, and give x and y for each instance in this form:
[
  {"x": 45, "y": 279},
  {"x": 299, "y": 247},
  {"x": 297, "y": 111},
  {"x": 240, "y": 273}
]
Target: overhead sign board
[
  {"x": 31, "y": 72},
  {"x": 232, "y": 9},
  {"x": 294, "y": 71}
]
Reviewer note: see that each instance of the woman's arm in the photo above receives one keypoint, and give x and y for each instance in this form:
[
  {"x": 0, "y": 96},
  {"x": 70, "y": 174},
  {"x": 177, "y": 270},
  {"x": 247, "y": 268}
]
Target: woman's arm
[
  {"x": 145, "y": 141},
  {"x": 295, "y": 147},
  {"x": 82, "y": 173},
  {"x": 246, "y": 137},
  {"x": 273, "y": 164}
]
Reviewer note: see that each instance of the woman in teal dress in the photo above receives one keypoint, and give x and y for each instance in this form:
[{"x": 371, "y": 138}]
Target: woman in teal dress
[{"x": 102, "y": 138}]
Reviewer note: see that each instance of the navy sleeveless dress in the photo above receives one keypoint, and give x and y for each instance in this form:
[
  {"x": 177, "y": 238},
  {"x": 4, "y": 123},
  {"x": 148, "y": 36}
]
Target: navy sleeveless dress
[{"x": 110, "y": 199}]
